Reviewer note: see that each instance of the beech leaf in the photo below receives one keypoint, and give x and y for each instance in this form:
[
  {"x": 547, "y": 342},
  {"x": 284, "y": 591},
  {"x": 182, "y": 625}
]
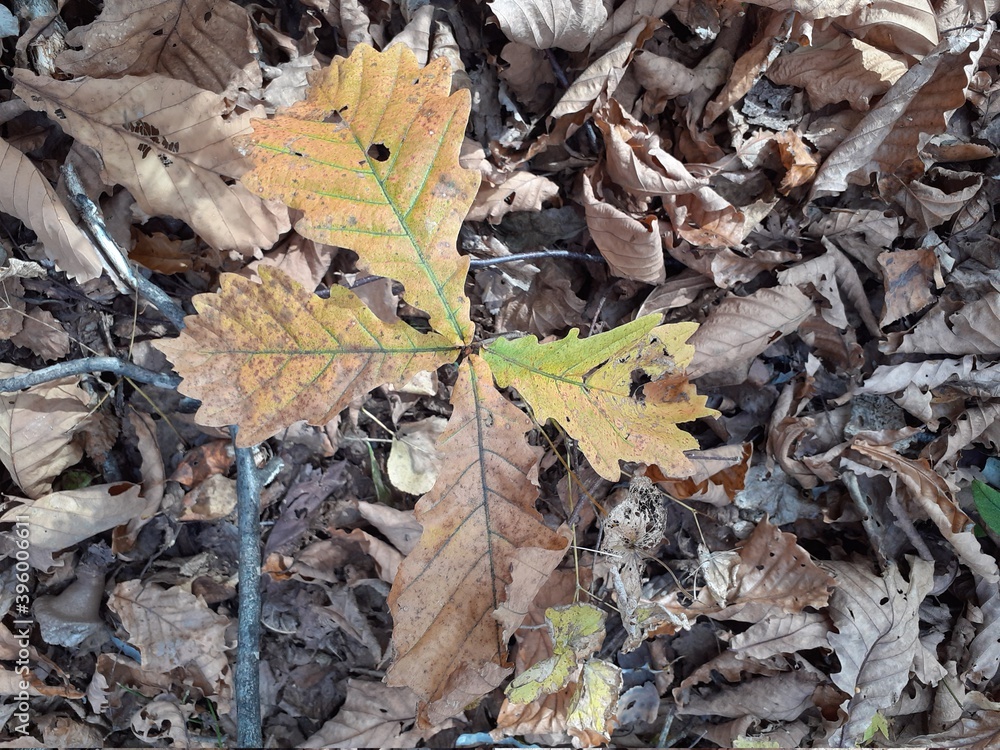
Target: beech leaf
[
  {"x": 204, "y": 42},
  {"x": 371, "y": 158},
  {"x": 265, "y": 355},
  {"x": 168, "y": 143},
  {"x": 27, "y": 195},
  {"x": 586, "y": 385}
]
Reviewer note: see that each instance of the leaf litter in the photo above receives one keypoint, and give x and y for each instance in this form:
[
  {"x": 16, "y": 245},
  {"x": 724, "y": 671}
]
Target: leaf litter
[{"x": 759, "y": 280}]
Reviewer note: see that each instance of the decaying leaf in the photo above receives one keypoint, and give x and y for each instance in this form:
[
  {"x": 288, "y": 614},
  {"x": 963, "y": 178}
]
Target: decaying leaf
[
  {"x": 61, "y": 519},
  {"x": 449, "y": 649},
  {"x": 586, "y": 385},
  {"x": 876, "y": 639},
  {"x": 577, "y": 631},
  {"x": 175, "y": 630},
  {"x": 37, "y": 427},
  {"x": 542, "y": 24}
]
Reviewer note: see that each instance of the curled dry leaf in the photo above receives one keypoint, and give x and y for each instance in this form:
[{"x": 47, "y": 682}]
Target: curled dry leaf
[
  {"x": 208, "y": 43},
  {"x": 603, "y": 75},
  {"x": 631, "y": 246},
  {"x": 173, "y": 158},
  {"x": 929, "y": 493},
  {"x": 43, "y": 334},
  {"x": 28, "y": 196},
  {"x": 543, "y": 24},
  {"x": 845, "y": 69},
  {"x": 37, "y": 431},
  {"x": 909, "y": 276},
  {"x": 374, "y": 715},
  {"x": 520, "y": 191},
  {"x": 61, "y": 519}
]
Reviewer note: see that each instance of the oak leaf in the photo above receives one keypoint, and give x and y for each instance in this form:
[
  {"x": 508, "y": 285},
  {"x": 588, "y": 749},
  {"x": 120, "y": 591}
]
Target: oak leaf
[
  {"x": 371, "y": 158},
  {"x": 586, "y": 385},
  {"x": 262, "y": 356},
  {"x": 449, "y": 646}
]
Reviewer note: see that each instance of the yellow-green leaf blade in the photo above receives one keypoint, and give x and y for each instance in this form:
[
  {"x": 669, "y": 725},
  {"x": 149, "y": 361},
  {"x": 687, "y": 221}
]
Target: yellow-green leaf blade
[
  {"x": 371, "y": 158},
  {"x": 587, "y": 386},
  {"x": 265, "y": 355}
]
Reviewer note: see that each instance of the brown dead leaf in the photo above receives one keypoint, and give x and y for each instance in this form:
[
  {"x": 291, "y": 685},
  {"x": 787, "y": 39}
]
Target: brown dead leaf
[
  {"x": 28, "y": 196},
  {"x": 61, "y": 519},
  {"x": 43, "y": 334},
  {"x": 876, "y": 645},
  {"x": 448, "y": 645},
  {"x": 935, "y": 198},
  {"x": 543, "y": 24},
  {"x": 971, "y": 329},
  {"x": 175, "y": 630},
  {"x": 774, "y": 575},
  {"x": 919, "y": 103},
  {"x": 909, "y": 276},
  {"x": 631, "y": 246},
  {"x": 845, "y": 69},
  {"x": 636, "y": 159},
  {"x": 930, "y": 495},
  {"x": 12, "y": 306},
  {"x": 159, "y": 253},
  {"x": 740, "y": 328},
  {"x": 528, "y": 76},
  {"x": 549, "y": 306},
  {"x": 520, "y": 191},
  {"x": 173, "y": 158},
  {"x": 198, "y": 464},
  {"x": 374, "y": 715},
  {"x": 208, "y": 43},
  {"x": 37, "y": 431},
  {"x": 603, "y": 75}
]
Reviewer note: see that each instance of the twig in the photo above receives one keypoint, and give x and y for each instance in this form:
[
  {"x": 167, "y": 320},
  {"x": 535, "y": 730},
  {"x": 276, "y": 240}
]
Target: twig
[
  {"x": 89, "y": 365},
  {"x": 113, "y": 255},
  {"x": 247, "y": 678},
  {"x": 537, "y": 255}
]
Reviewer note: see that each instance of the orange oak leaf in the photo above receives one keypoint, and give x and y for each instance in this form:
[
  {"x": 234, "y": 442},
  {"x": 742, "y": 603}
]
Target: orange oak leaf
[
  {"x": 450, "y": 649},
  {"x": 371, "y": 159},
  {"x": 265, "y": 355}
]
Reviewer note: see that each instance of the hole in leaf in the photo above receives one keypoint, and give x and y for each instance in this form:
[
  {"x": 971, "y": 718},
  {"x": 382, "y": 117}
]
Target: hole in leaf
[
  {"x": 333, "y": 118},
  {"x": 378, "y": 152},
  {"x": 158, "y": 32},
  {"x": 208, "y": 16}
]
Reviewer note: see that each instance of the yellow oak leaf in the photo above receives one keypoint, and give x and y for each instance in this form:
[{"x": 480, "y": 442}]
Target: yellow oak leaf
[
  {"x": 371, "y": 159},
  {"x": 265, "y": 355},
  {"x": 587, "y": 385}
]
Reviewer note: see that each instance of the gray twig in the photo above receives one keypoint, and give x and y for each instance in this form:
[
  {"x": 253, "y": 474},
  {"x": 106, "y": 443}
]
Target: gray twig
[
  {"x": 247, "y": 677},
  {"x": 113, "y": 255},
  {"x": 537, "y": 255},
  {"x": 89, "y": 365}
]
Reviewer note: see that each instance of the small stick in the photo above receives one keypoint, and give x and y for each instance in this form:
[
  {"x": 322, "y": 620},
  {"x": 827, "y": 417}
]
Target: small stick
[
  {"x": 113, "y": 255},
  {"x": 86, "y": 366},
  {"x": 536, "y": 255}
]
